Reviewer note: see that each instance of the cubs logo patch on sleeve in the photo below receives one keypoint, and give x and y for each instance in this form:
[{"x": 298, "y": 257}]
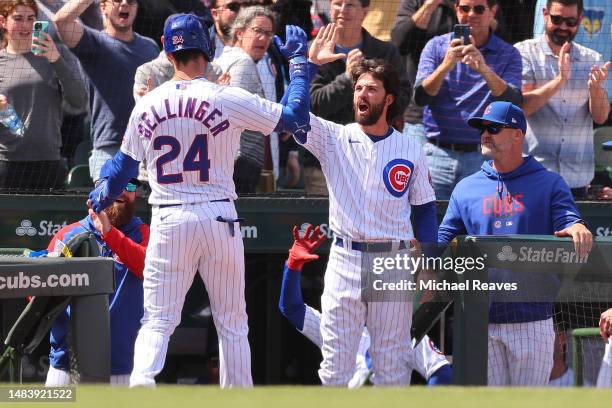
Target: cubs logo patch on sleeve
[{"x": 396, "y": 176}]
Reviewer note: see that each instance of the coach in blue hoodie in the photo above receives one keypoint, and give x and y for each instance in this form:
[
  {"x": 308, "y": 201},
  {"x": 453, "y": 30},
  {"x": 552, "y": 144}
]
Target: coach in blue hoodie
[{"x": 514, "y": 194}]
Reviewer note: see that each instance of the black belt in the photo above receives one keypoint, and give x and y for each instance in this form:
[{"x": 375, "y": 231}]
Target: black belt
[
  {"x": 457, "y": 147},
  {"x": 372, "y": 246},
  {"x": 222, "y": 200}
]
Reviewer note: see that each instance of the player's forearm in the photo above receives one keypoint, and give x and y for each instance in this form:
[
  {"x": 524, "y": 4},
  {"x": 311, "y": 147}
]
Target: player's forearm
[
  {"x": 69, "y": 27},
  {"x": 599, "y": 105},
  {"x": 425, "y": 226},
  {"x": 535, "y": 99},
  {"x": 295, "y": 117},
  {"x": 291, "y": 303},
  {"x": 131, "y": 253}
]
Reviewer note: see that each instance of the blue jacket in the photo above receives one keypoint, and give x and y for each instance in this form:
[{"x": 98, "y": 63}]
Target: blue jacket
[
  {"x": 125, "y": 305},
  {"x": 528, "y": 200}
]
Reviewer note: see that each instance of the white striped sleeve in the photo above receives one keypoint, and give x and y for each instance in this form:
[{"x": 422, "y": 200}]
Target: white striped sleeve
[
  {"x": 132, "y": 143},
  {"x": 312, "y": 326},
  {"x": 321, "y": 136},
  {"x": 421, "y": 190},
  {"x": 248, "y": 111}
]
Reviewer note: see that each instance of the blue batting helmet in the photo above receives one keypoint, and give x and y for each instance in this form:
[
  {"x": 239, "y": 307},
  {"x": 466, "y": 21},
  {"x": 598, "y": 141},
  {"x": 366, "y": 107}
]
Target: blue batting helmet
[{"x": 184, "y": 32}]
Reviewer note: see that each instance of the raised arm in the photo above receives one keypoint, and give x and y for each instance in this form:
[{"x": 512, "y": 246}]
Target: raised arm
[
  {"x": 72, "y": 86},
  {"x": 411, "y": 24},
  {"x": 435, "y": 74},
  {"x": 533, "y": 97},
  {"x": 69, "y": 27},
  {"x": 331, "y": 89},
  {"x": 290, "y": 302},
  {"x": 599, "y": 104},
  {"x": 295, "y": 116}
]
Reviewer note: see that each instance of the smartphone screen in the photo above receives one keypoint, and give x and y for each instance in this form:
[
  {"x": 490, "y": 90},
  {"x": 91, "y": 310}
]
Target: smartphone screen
[
  {"x": 38, "y": 27},
  {"x": 462, "y": 31}
]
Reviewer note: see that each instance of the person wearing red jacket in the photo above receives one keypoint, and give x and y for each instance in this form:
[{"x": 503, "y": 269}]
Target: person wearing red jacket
[{"x": 124, "y": 237}]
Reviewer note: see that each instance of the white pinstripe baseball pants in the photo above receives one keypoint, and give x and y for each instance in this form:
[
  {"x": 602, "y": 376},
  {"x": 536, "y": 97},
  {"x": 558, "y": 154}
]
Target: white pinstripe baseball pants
[
  {"x": 185, "y": 239},
  {"x": 343, "y": 317},
  {"x": 605, "y": 371},
  {"x": 520, "y": 354}
]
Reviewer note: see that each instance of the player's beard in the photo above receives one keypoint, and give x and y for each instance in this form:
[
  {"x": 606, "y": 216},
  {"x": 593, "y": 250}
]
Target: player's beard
[
  {"x": 369, "y": 119},
  {"x": 120, "y": 214}
]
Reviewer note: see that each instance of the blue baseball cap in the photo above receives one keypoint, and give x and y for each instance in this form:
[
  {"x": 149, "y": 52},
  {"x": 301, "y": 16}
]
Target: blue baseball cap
[
  {"x": 607, "y": 145},
  {"x": 501, "y": 113},
  {"x": 184, "y": 32}
]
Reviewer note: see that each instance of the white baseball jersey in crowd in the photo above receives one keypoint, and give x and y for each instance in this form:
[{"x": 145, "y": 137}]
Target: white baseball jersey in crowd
[
  {"x": 425, "y": 358},
  {"x": 371, "y": 187},
  {"x": 188, "y": 132}
]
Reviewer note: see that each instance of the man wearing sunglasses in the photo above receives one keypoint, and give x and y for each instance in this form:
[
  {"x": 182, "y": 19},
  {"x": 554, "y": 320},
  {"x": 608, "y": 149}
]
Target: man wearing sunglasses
[
  {"x": 457, "y": 80},
  {"x": 564, "y": 89},
  {"x": 109, "y": 58},
  {"x": 224, "y": 13},
  {"x": 124, "y": 237},
  {"x": 513, "y": 194}
]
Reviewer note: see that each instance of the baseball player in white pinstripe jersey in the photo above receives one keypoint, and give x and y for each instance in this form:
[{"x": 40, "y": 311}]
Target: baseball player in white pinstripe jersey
[
  {"x": 374, "y": 176},
  {"x": 425, "y": 357},
  {"x": 605, "y": 328},
  {"x": 188, "y": 131}
]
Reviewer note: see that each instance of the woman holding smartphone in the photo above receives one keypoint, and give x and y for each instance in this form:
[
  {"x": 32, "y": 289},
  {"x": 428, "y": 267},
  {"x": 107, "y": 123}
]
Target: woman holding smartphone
[{"x": 36, "y": 79}]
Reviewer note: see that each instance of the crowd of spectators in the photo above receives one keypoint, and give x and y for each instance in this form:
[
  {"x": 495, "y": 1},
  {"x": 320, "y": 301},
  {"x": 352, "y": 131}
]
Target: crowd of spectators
[{"x": 98, "y": 57}]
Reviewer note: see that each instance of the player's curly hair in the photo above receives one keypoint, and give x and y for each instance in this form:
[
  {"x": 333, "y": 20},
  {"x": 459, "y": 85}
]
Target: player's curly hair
[
  {"x": 387, "y": 74},
  {"x": 7, "y": 7}
]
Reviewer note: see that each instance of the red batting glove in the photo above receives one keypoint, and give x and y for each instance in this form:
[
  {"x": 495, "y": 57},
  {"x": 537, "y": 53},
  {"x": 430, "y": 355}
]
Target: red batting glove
[{"x": 303, "y": 247}]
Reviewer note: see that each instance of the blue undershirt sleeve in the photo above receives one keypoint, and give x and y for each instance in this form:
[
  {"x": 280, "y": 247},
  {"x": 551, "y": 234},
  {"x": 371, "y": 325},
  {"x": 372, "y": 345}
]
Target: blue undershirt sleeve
[
  {"x": 291, "y": 303},
  {"x": 423, "y": 218},
  {"x": 295, "y": 117}
]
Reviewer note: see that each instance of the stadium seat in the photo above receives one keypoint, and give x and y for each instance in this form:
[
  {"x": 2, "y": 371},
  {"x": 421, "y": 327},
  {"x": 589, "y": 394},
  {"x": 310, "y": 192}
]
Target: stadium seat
[
  {"x": 82, "y": 152},
  {"x": 603, "y": 159},
  {"x": 78, "y": 177}
]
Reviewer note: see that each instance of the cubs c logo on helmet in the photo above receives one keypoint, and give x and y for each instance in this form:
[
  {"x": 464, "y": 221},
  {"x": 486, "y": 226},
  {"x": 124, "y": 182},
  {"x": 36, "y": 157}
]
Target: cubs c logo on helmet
[{"x": 396, "y": 176}]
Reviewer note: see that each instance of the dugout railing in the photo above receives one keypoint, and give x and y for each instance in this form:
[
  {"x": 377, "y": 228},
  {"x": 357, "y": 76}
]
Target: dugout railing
[{"x": 587, "y": 284}]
